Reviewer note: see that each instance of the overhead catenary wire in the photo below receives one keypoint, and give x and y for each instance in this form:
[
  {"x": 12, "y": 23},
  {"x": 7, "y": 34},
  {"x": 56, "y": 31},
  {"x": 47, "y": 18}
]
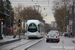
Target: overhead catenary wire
[
  {"x": 28, "y": 1},
  {"x": 34, "y": 2}
]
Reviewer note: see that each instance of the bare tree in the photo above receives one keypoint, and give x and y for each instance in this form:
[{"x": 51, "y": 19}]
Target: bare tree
[
  {"x": 26, "y": 13},
  {"x": 30, "y": 13},
  {"x": 17, "y": 12},
  {"x": 60, "y": 12}
]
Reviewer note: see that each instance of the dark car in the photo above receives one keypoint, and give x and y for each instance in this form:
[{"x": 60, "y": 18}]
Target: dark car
[
  {"x": 52, "y": 36},
  {"x": 66, "y": 34}
]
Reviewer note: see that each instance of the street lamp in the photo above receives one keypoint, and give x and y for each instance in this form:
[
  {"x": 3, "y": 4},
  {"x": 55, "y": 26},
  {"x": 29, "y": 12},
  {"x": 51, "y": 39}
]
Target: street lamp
[
  {"x": 10, "y": 20},
  {"x": 73, "y": 19},
  {"x": 38, "y": 8},
  {"x": 67, "y": 17}
]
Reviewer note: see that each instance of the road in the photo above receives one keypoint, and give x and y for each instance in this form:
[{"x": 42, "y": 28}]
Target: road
[
  {"x": 64, "y": 44},
  {"x": 19, "y": 45},
  {"x": 40, "y": 44}
]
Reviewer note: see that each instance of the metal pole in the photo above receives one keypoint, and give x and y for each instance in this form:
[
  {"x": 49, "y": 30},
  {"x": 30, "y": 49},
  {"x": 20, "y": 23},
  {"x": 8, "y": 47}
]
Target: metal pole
[
  {"x": 68, "y": 20},
  {"x": 12, "y": 20},
  {"x": 0, "y": 32},
  {"x": 73, "y": 19},
  {"x": 24, "y": 26},
  {"x": 68, "y": 17},
  {"x": 19, "y": 33},
  {"x": 36, "y": 16},
  {"x": 19, "y": 25},
  {"x": 5, "y": 28},
  {"x": 38, "y": 9},
  {"x": 10, "y": 23},
  {"x": 34, "y": 9},
  {"x": 1, "y": 28}
]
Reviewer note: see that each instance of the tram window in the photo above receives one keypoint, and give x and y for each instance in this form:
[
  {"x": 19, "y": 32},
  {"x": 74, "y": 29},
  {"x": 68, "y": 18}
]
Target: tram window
[
  {"x": 39, "y": 28},
  {"x": 32, "y": 28}
]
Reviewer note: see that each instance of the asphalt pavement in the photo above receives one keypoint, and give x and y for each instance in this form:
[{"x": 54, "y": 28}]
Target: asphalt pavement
[
  {"x": 40, "y": 44},
  {"x": 64, "y": 44},
  {"x": 20, "y": 45}
]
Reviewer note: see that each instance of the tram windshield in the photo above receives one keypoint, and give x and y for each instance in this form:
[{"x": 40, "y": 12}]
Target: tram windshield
[{"x": 32, "y": 28}]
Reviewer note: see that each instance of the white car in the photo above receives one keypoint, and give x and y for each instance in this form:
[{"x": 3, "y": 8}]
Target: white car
[
  {"x": 55, "y": 31},
  {"x": 52, "y": 36}
]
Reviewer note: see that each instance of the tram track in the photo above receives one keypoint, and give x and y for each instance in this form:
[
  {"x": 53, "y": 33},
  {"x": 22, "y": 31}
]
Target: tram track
[
  {"x": 19, "y": 45},
  {"x": 26, "y": 45},
  {"x": 22, "y": 44}
]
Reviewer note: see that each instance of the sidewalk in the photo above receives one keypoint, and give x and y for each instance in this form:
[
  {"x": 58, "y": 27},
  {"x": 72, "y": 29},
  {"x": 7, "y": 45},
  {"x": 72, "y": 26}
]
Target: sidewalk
[{"x": 8, "y": 39}]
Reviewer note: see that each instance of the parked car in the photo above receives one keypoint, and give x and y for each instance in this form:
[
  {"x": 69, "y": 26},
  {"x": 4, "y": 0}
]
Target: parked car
[
  {"x": 52, "y": 36},
  {"x": 66, "y": 34}
]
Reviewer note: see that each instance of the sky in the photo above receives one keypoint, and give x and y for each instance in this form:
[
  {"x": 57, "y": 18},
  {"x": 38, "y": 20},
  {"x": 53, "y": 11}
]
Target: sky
[{"x": 47, "y": 4}]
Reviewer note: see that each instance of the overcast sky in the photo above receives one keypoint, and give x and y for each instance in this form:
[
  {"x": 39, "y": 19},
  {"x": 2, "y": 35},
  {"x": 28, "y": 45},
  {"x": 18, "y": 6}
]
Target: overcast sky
[{"x": 43, "y": 3}]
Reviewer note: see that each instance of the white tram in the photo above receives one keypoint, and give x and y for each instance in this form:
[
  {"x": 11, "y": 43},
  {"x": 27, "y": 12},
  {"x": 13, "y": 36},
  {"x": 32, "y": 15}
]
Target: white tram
[{"x": 35, "y": 28}]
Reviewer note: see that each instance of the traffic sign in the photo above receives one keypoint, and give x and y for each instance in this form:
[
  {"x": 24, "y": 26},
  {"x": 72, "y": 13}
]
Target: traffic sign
[
  {"x": 44, "y": 9},
  {"x": 70, "y": 22},
  {"x": 46, "y": 15},
  {"x": 19, "y": 27},
  {"x": 19, "y": 22},
  {"x": 65, "y": 27}
]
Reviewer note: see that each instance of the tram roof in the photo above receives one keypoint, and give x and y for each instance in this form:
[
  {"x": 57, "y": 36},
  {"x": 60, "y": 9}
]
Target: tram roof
[{"x": 34, "y": 21}]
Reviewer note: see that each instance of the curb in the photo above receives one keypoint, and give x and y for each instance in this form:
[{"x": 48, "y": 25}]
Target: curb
[
  {"x": 7, "y": 42},
  {"x": 32, "y": 44}
]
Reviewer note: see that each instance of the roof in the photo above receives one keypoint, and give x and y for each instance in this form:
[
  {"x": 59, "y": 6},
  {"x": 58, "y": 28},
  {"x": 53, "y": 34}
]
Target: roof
[
  {"x": 4, "y": 15},
  {"x": 33, "y": 21}
]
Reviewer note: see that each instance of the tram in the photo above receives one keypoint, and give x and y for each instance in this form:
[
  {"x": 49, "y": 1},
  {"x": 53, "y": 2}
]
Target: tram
[{"x": 35, "y": 28}]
